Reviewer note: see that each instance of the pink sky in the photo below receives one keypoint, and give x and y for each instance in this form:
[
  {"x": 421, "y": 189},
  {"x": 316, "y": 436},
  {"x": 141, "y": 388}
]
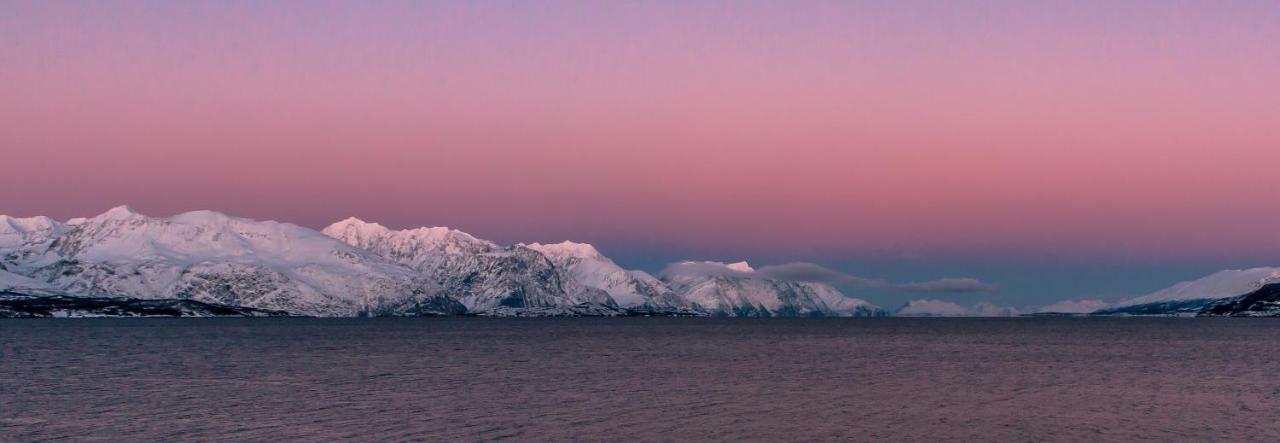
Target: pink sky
[{"x": 1148, "y": 128}]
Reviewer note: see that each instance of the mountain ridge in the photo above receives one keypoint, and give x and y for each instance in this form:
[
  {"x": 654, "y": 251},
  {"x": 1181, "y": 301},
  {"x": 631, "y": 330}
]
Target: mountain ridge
[
  {"x": 351, "y": 268},
  {"x": 1199, "y": 296}
]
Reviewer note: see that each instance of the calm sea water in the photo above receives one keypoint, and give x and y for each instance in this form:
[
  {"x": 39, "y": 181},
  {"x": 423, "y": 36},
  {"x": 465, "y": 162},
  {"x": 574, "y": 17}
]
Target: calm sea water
[{"x": 640, "y": 379}]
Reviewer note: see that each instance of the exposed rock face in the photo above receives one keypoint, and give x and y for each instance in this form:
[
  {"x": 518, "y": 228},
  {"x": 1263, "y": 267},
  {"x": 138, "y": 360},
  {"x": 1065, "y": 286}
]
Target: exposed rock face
[
  {"x": 485, "y": 277},
  {"x": 1264, "y": 302},
  {"x": 636, "y": 290},
  {"x": 1190, "y": 297}
]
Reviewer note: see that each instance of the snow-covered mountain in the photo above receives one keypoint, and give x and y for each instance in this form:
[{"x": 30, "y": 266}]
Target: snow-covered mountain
[
  {"x": 351, "y": 268},
  {"x": 210, "y": 257},
  {"x": 23, "y": 238},
  {"x": 127, "y": 260},
  {"x": 629, "y": 289},
  {"x": 483, "y": 276},
  {"x": 10, "y": 282},
  {"x": 736, "y": 290},
  {"x": 1263, "y": 302},
  {"x": 1194, "y": 296}
]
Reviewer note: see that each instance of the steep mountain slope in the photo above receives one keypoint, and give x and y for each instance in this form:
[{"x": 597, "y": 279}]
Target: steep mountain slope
[
  {"x": 20, "y": 284},
  {"x": 1264, "y": 302},
  {"x": 735, "y": 290},
  {"x": 483, "y": 276},
  {"x": 23, "y": 239},
  {"x": 214, "y": 258},
  {"x": 629, "y": 289},
  {"x": 356, "y": 268},
  {"x": 1194, "y": 296},
  {"x": 16, "y": 231}
]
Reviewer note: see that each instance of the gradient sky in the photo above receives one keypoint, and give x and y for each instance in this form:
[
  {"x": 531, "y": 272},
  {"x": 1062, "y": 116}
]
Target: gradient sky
[{"x": 1056, "y": 149}]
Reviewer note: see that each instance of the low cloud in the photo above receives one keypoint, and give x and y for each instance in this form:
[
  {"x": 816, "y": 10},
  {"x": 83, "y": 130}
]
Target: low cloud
[
  {"x": 940, "y": 308},
  {"x": 812, "y": 272},
  {"x": 1075, "y": 306},
  {"x": 932, "y": 308},
  {"x": 700, "y": 269},
  {"x": 949, "y": 285},
  {"x": 985, "y": 309}
]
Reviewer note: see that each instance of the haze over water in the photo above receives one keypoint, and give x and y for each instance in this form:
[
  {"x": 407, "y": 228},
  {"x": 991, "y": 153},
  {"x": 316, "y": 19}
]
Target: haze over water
[{"x": 640, "y": 379}]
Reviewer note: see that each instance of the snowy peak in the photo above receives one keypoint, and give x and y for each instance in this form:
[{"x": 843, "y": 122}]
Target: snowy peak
[
  {"x": 383, "y": 240},
  {"x": 121, "y": 212},
  {"x": 26, "y": 225},
  {"x": 198, "y": 236},
  {"x": 210, "y": 218},
  {"x": 700, "y": 269},
  {"x": 355, "y": 228},
  {"x": 443, "y": 234},
  {"x": 15, "y": 232},
  {"x": 567, "y": 249}
]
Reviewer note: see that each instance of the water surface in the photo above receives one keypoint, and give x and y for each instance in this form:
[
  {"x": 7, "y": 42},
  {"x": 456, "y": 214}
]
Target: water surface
[{"x": 640, "y": 378}]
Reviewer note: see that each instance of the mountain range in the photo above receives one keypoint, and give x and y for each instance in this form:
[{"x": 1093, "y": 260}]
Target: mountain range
[{"x": 205, "y": 263}]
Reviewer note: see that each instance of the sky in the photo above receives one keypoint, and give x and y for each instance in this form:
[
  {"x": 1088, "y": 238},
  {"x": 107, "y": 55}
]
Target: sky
[{"x": 1051, "y": 149}]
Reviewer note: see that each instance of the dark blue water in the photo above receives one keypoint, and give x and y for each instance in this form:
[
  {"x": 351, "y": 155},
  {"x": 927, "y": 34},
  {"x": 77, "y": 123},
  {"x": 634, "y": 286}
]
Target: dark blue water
[{"x": 640, "y": 379}]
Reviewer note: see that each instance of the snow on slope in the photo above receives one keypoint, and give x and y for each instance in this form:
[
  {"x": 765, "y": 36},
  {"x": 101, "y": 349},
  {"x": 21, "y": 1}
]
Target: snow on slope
[
  {"x": 1219, "y": 285},
  {"x": 23, "y": 284},
  {"x": 427, "y": 248},
  {"x": 630, "y": 289},
  {"x": 1264, "y": 302},
  {"x": 735, "y": 290},
  {"x": 359, "y": 268},
  {"x": 485, "y": 277},
  {"x": 211, "y": 257},
  {"x": 16, "y": 231},
  {"x": 19, "y": 237}
]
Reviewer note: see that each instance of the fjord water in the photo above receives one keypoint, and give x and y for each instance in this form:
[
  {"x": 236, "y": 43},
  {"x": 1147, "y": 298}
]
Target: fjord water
[{"x": 640, "y": 378}]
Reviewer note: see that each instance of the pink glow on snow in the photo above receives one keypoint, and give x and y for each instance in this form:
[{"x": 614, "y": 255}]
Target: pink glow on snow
[{"x": 1122, "y": 127}]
